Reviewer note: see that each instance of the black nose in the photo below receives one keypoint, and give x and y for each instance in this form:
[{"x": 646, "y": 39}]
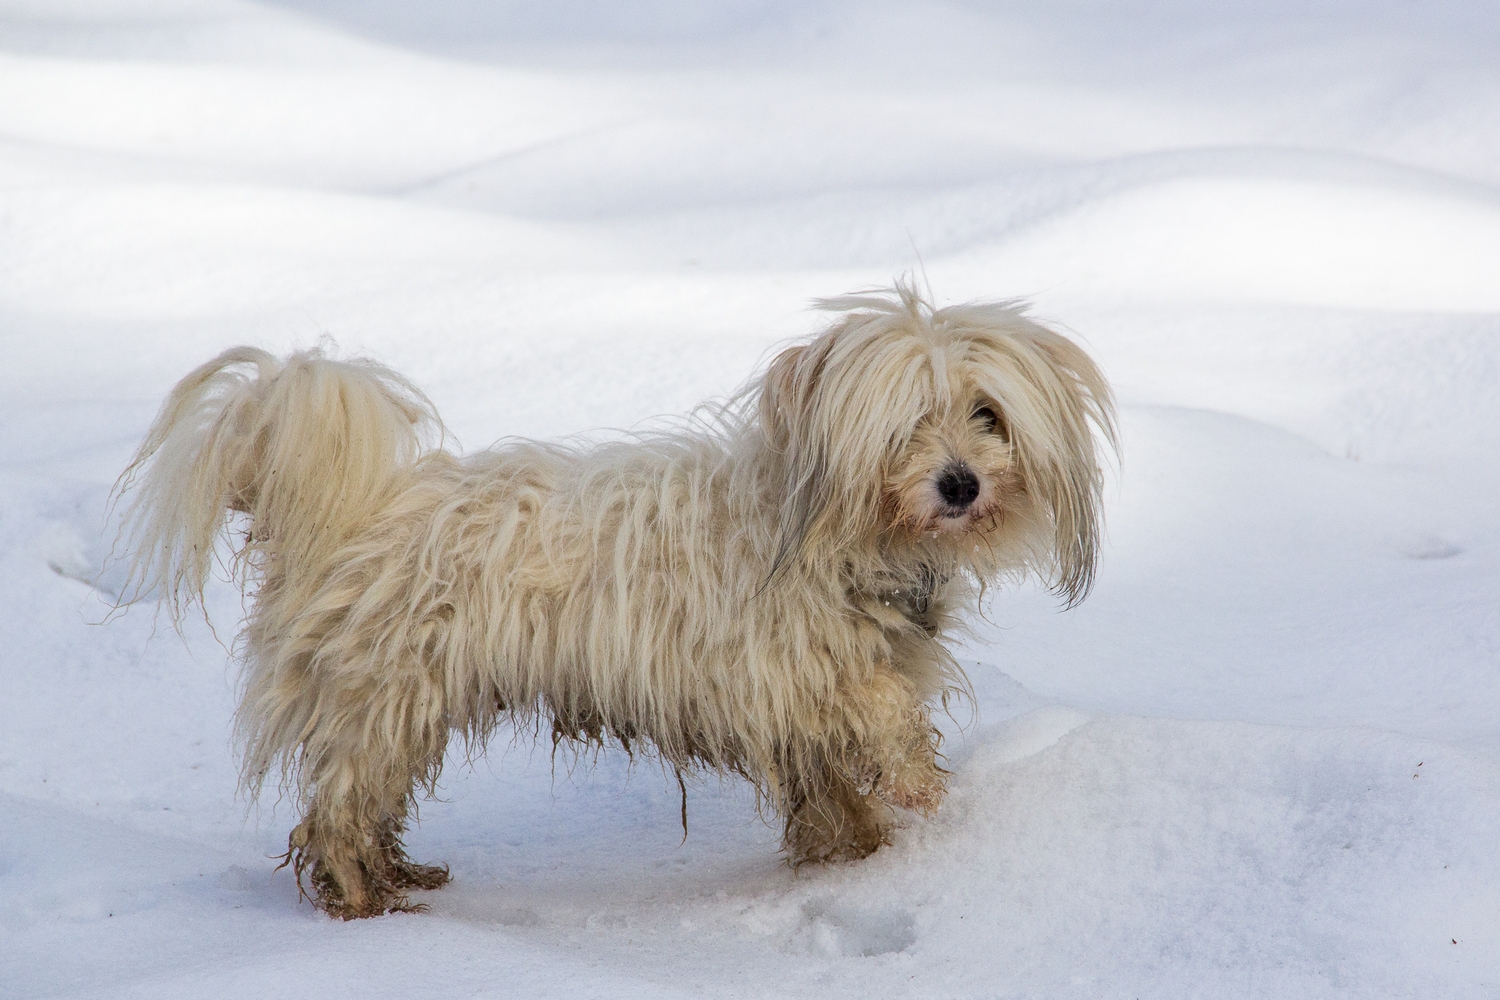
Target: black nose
[{"x": 958, "y": 486}]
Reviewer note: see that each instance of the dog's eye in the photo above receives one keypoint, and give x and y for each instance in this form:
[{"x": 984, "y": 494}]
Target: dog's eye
[{"x": 991, "y": 420}]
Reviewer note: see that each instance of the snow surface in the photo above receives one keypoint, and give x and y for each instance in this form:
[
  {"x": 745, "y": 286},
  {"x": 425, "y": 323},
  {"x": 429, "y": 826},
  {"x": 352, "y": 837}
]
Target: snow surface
[{"x": 1261, "y": 761}]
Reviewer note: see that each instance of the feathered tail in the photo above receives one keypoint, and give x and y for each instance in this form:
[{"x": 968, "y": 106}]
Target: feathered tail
[{"x": 309, "y": 447}]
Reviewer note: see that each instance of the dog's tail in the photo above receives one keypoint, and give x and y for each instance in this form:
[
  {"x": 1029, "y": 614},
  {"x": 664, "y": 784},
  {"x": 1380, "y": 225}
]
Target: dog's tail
[{"x": 308, "y": 447}]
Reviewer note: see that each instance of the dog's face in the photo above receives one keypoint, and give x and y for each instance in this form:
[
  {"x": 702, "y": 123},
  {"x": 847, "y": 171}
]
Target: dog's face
[
  {"x": 955, "y": 474},
  {"x": 969, "y": 429}
]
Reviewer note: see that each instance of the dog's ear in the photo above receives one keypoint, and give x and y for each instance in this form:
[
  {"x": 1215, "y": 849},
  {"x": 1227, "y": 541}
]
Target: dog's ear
[
  {"x": 778, "y": 397},
  {"x": 788, "y": 416},
  {"x": 1060, "y": 434}
]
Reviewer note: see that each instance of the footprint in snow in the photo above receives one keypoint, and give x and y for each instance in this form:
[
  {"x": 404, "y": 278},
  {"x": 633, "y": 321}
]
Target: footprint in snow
[{"x": 825, "y": 928}]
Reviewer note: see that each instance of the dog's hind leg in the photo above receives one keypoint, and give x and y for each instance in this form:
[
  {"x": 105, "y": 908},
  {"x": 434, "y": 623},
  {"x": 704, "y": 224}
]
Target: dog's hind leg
[
  {"x": 367, "y": 749},
  {"x": 348, "y": 845},
  {"x": 354, "y": 864}
]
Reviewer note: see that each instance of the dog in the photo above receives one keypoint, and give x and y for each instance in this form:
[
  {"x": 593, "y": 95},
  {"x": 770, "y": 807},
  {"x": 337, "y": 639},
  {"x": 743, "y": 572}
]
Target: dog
[{"x": 763, "y": 590}]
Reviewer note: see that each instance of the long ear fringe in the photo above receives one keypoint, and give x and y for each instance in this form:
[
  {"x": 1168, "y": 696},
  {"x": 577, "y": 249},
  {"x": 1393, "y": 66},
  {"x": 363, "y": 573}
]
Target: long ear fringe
[
  {"x": 1079, "y": 516},
  {"x": 786, "y": 402},
  {"x": 1062, "y": 453}
]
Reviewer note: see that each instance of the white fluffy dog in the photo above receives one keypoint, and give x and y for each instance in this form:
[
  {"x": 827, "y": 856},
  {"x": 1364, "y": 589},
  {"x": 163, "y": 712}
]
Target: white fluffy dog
[{"x": 763, "y": 593}]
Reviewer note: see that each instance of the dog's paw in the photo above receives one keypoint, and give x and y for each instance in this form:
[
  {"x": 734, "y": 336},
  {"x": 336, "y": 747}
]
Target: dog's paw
[
  {"x": 408, "y": 875},
  {"x": 923, "y": 798},
  {"x": 350, "y": 883},
  {"x": 918, "y": 786}
]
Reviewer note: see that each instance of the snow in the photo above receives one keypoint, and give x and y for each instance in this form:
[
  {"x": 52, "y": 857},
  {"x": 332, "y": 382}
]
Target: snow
[{"x": 1262, "y": 760}]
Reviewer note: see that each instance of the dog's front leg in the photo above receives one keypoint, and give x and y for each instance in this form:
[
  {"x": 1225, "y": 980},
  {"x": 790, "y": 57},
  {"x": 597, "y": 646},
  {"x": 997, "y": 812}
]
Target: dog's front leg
[
  {"x": 829, "y": 817},
  {"x": 896, "y": 755},
  {"x": 880, "y": 751},
  {"x": 894, "y": 744}
]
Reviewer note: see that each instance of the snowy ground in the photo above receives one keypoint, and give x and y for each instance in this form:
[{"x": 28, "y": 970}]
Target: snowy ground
[{"x": 1263, "y": 760}]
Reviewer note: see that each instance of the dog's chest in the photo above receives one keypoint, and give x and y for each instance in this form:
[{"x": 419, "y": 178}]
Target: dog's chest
[{"x": 917, "y": 599}]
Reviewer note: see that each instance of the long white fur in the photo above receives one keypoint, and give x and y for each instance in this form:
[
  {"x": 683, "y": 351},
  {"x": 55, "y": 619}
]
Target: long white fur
[{"x": 763, "y": 592}]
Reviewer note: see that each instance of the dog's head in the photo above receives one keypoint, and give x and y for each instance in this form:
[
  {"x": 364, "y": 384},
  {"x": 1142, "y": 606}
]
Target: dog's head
[{"x": 970, "y": 433}]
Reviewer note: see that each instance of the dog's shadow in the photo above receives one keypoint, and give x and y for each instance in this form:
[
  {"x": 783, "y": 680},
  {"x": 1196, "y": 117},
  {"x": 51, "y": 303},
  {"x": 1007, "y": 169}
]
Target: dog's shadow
[
  {"x": 534, "y": 839},
  {"x": 596, "y": 841}
]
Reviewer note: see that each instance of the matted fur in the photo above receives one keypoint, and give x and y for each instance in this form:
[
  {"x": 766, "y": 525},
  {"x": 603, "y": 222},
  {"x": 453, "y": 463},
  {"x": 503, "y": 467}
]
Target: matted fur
[{"x": 763, "y": 593}]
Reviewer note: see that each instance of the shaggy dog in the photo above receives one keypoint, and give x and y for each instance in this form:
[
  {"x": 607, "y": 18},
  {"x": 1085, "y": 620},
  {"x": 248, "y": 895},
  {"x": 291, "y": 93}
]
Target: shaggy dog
[{"x": 763, "y": 592}]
